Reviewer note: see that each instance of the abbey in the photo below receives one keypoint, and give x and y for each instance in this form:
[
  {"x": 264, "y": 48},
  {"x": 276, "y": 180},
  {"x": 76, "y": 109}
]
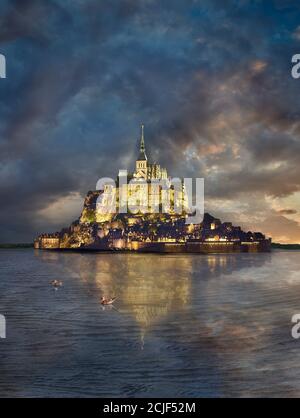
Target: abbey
[{"x": 147, "y": 190}]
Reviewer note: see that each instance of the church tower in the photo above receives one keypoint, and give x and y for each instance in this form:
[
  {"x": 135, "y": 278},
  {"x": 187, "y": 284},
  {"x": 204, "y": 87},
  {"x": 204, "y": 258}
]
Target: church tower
[{"x": 141, "y": 162}]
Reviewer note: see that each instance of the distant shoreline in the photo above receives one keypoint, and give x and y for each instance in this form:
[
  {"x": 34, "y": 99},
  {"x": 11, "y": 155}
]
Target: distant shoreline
[
  {"x": 279, "y": 246},
  {"x": 22, "y": 245},
  {"x": 274, "y": 245}
]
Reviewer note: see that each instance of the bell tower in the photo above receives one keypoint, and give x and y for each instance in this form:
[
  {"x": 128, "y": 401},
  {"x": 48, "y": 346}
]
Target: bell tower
[{"x": 141, "y": 163}]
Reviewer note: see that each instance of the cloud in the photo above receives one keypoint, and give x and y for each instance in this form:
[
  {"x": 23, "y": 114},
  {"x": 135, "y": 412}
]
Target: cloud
[
  {"x": 296, "y": 33},
  {"x": 287, "y": 212},
  {"x": 210, "y": 81}
]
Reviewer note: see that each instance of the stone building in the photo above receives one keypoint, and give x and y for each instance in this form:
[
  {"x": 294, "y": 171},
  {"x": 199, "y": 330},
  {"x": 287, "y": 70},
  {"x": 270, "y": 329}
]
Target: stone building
[{"x": 148, "y": 189}]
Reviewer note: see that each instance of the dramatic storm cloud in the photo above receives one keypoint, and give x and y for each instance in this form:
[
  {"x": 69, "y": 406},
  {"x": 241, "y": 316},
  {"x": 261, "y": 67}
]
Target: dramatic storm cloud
[{"x": 210, "y": 79}]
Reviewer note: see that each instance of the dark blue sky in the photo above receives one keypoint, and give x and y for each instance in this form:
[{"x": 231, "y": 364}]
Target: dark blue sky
[{"x": 210, "y": 79}]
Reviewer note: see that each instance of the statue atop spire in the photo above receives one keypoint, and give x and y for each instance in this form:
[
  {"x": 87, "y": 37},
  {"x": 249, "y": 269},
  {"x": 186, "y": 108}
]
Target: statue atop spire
[{"x": 142, "y": 139}]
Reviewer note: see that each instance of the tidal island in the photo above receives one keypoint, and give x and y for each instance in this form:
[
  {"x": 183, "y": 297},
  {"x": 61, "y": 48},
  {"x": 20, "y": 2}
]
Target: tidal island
[{"x": 146, "y": 229}]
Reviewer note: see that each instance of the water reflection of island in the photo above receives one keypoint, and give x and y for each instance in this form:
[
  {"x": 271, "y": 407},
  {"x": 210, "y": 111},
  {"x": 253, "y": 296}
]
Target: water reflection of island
[
  {"x": 149, "y": 287},
  {"x": 145, "y": 286},
  {"x": 214, "y": 323}
]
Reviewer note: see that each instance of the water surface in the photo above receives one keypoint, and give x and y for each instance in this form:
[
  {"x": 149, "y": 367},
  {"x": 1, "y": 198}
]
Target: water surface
[{"x": 184, "y": 325}]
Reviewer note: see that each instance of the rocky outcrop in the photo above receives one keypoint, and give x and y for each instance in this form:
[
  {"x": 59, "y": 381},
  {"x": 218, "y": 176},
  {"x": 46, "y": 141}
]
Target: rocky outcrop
[
  {"x": 150, "y": 232},
  {"x": 88, "y": 214}
]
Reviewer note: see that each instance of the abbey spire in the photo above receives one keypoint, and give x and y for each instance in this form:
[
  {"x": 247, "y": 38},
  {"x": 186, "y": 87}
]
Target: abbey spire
[
  {"x": 141, "y": 162},
  {"x": 142, "y": 155},
  {"x": 143, "y": 168}
]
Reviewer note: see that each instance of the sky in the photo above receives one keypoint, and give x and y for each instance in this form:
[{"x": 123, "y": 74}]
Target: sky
[{"x": 211, "y": 81}]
